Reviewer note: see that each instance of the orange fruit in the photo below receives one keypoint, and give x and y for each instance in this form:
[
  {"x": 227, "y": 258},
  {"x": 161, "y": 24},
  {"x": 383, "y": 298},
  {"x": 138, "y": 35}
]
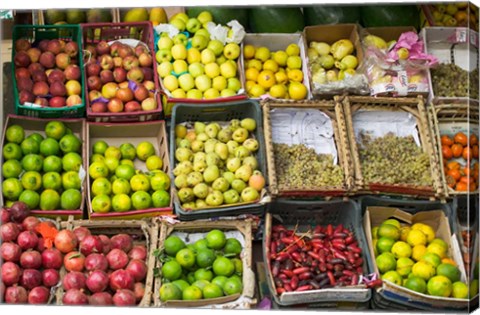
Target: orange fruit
[
  {"x": 466, "y": 154},
  {"x": 473, "y": 139},
  {"x": 461, "y": 187},
  {"x": 460, "y": 138},
  {"x": 457, "y": 150},
  {"x": 446, "y": 140},
  {"x": 475, "y": 151},
  {"x": 455, "y": 174},
  {"x": 454, "y": 165},
  {"x": 447, "y": 152}
]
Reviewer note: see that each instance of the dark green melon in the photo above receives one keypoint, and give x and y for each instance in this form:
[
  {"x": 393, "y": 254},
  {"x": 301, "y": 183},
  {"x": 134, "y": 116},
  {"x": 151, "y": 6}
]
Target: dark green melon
[
  {"x": 390, "y": 15},
  {"x": 323, "y": 14},
  {"x": 268, "y": 19},
  {"x": 222, "y": 15}
]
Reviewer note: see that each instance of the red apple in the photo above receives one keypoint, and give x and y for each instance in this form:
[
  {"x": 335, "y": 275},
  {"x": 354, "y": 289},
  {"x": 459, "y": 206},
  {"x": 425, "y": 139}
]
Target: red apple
[
  {"x": 73, "y": 100},
  {"x": 147, "y": 73},
  {"x": 62, "y": 60},
  {"x": 22, "y": 73},
  {"x": 41, "y": 101},
  {"x": 93, "y": 95},
  {"x": 102, "y": 48},
  {"x": 57, "y": 88},
  {"x": 22, "y": 45},
  {"x": 43, "y": 45},
  {"x": 114, "y": 48},
  {"x": 72, "y": 72},
  {"x": 21, "y": 59},
  {"x": 99, "y": 107},
  {"x": 56, "y": 75},
  {"x": 124, "y": 94},
  {"x": 92, "y": 51},
  {"x": 94, "y": 83},
  {"x": 125, "y": 51},
  {"x": 62, "y": 45},
  {"x": 130, "y": 62},
  {"x": 150, "y": 85},
  {"x": 47, "y": 59},
  {"x": 140, "y": 49},
  {"x": 133, "y": 106},
  {"x": 57, "y": 101},
  {"x": 140, "y": 93},
  {"x": 119, "y": 75},
  {"x": 93, "y": 69},
  {"x": 40, "y": 88},
  {"x": 135, "y": 74},
  {"x": 54, "y": 46},
  {"x": 34, "y": 54},
  {"x": 25, "y": 97},
  {"x": 145, "y": 60},
  {"x": 106, "y": 76},
  {"x": 117, "y": 62},
  {"x": 39, "y": 76},
  {"x": 25, "y": 84},
  {"x": 71, "y": 48},
  {"x": 115, "y": 105},
  {"x": 106, "y": 62},
  {"x": 34, "y": 67},
  {"x": 149, "y": 104}
]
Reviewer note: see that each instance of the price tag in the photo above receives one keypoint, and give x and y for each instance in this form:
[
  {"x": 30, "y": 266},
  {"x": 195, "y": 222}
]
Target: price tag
[
  {"x": 461, "y": 35},
  {"x": 474, "y": 38},
  {"x": 6, "y": 14}
]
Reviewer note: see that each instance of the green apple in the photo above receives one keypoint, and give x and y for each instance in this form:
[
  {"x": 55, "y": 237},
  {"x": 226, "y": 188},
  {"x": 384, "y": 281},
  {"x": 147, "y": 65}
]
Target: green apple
[
  {"x": 165, "y": 68},
  {"x": 249, "y": 194},
  {"x": 244, "y": 172},
  {"x": 194, "y": 94},
  {"x": 234, "y": 84},
  {"x": 212, "y": 69},
  {"x": 203, "y": 82},
  {"x": 205, "y": 17},
  {"x": 221, "y": 184},
  {"x": 164, "y": 43},
  {"x": 193, "y": 25},
  {"x": 228, "y": 70},
  {"x": 196, "y": 69},
  {"x": 211, "y": 93},
  {"x": 186, "y": 82},
  {"x": 231, "y": 196},
  {"x": 207, "y": 56},
  {"x": 215, "y": 198},
  {"x": 216, "y": 46},
  {"x": 227, "y": 93},
  {"x": 219, "y": 83},
  {"x": 211, "y": 173},
  {"x": 179, "y": 52},
  {"x": 180, "y": 38},
  {"x": 238, "y": 184},
  {"x": 221, "y": 59},
  {"x": 231, "y": 51},
  {"x": 222, "y": 150},
  {"x": 240, "y": 135},
  {"x": 163, "y": 55},
  {"x": 200, "y": 190},
  {"x": 178, "y": 23},
  {"x": 199, "y": 41},
  {"x": 193, "y": 55}
]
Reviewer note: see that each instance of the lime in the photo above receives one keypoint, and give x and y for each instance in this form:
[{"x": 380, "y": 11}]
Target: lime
[
  {"x": 460, "y": 290},
  {"x": 121, "y": 203},
  {"x": 98, "y": 170},
  {"x": 70, "y": 143},
  {"x": 101, "y": 204},
  {"x": 71, "y": 179},
  {"x": 191, "y": 277},
  {"x": 15, "y": 134},
  {"x": 127, "y": 162},
  {"x": 211, "y": 291},
  {"x": 112, "y": 164},
  {"x": 173, "y": 244},
  {"x": 49, "y": 200},
  {"x": 140, "y": 182},
  {"x": 72, "y": 161},
  {"x": 120, "y": 186},
  {"x": 49, "y": 146},
  {"x": 423, "y": 270},
  {"x": 31, "y": 180},
  {"x": 401, "y": 249},
  {"x": 11, "y": 168},
  {"x": 393, "y": 277},
  {"x": 473, "y": 288},
  {"x": 55, "y": 129},
  {"x": 71, "y": 199},
  {"x": 160, "y": 181},
  {"x": 386, "y": 262},
  {"x": 393, "y": 222},
  {"x": 31, "y": 198},
  {"x": 99, "y": 147},
  {"x": 36, "y": 136},
  {"x": 385, "y": 244},
  {"x": 432, "y": 259},
  {"x": 203, "y": 274},
  {"x": 200, "y": 244},
  {"x": 192, "y": 293},
  {"x": 144, "y": 150},
  {"x": 114, "y": 152},
  {"x": 233, "y": 285},
  {"x": 238, "y": 265},
  {"x": 215, "y": 239},
  {"x": 439, "y": 286},
  {"x": 97, "y": 158},
  {"x": 12, "y": 188},
  {"x": 141, "y": 200},
  {"x": 185, "y": 257},
  {"x": 171, "y": 270},
  {"x": 181, "y": 284},
  {"x": 416, "y": 284},
  {"x": 449, "y": 271},
  {"x": 125, "y": 171},
  {"x": 52, "y": 180},
  {"x": 128, "y": 151},
  {"x": 200, "y": 284},
  {"x": 160, "y": 199},
  {"x": 205, "y": 257},
  {"x": 101, "y": 186},
  {"x": 404, "y": 266},
  {"x": 29, "y": 145},
  {"x": 222, "y": 266},
  {"x": 388, "y": 230},
  {"x": 416, "y": 237},
  {"x": 169, "y": 292},
  {"x": 154, "y": 163},
  {"x": 12, "y": 151},
  {"x": 32, "y": 162},
  {"x": 219, "y": 280},
  {"x": 52, "y": 163},
  {"x": 232, "y": 246}
]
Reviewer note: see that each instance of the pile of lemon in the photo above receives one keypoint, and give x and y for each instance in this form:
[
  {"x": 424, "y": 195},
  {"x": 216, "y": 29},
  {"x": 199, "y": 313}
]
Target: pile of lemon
[
  {"x": 278, "y": 74},
  {"x": 412, "y": 256}
]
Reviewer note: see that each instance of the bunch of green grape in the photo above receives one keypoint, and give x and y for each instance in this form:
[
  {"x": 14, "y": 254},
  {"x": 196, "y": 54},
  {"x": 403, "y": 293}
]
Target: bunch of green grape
[
  {"x": 394, "y": 160},
  {"x": 449, "y": 80},
  {"x": 298, "y": 166}
]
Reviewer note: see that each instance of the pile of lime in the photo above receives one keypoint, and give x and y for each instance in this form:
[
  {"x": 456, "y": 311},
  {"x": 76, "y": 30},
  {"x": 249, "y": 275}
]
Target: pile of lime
[
  {"x": 42, "y": 168},
  {"x": 412, "y": 256},
  {"x": 208, "y": 268},
  {"x": 117, "y": 184}
]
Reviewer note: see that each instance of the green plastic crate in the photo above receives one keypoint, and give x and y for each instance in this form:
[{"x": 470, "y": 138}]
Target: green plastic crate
[{"x": 34, "y": 34}]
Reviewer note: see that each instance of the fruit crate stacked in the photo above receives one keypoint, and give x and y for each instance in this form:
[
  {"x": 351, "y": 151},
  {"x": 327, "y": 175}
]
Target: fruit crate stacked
[
  {"x": 44, "y": 165},
  {"x": 36, "y": 50},
  {"x": 460, "y": 14},
  {"x": 214, "y": 123},
  {"x": 129, "y": 167},
  {"x": 286, "y": 180},
  {"x": 428, "y": 246},
  {"x": 76, "y": 16},
  {"x": 220, "y": 241},
  {"x": 107, "y": 263},
  {"x": 120, "y": 75},
  {"x": 316, "y": 253},
  {"x": 399, "y": 123}
]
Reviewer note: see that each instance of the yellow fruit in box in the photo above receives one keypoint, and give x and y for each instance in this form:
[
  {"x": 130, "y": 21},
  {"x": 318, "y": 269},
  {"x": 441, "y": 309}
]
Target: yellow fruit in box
[
  {"x": 136, "y": 15},
  {"x": 297, "y": 91},
  {"x": 257, "y": 90},
  {"x": 251, "y": 74},
  {"x": 262, "y": 54},
  {"x": 293, "y": 50},
  {"x": 439, "y": 286},
  {"x": 426, "y": 229},
  {"x": 295, "y": 75},
  {"x": 373, "y": 40},
  {"x": 404, "y": 230},
  {"x": 401, "y": 249},
  {"x": 281, "y": 77},
  {"x": 278, "y": 91},
  {"x": 423, "y": 270},
  {"x": 416, "y": 237},
  {"x": 437, "y": 249},
  {"x": 271, "y": 65},
  {"x": 248, "y": 51},
  {"x": 266, "y": 79},
  {"x": 280, "y": 58},
  {"x": 418, "y": 251},
  {"x": 157, "y": 16},
  {"x": 388, "y": 230}
]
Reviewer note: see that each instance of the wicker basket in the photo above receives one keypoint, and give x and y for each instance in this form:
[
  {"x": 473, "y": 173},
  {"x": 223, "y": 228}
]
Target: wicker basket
[
  {"x": 143, "y": 232},
  {"x": 335, "y": 113},
  {"x": 414, "y": 106},
  {"x": 459, "y": 116}
]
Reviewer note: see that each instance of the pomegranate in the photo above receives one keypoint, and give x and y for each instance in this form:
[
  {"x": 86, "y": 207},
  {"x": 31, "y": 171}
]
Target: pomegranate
[
  {"x": 19, "y": 211},
  {"x": 16, "y": 295},
  {"x": 27, "y": 240},
  {"x": 122, "y": 241},
  {"x": 96, "y": 262},
  {"x": 66, "y": 241},
  {"x": 50, "y": 277},
  {"x": 29, "y": 223},
  {"x": 4, "y": 216},
  {"x": 139, "y": 291},
  {"x": 74, "y": 261},
  {"x": 9, "y": 232},
  {"x": 74, "y": 280},
  {"x": 91, "y": 244},
  {"x": 97, "y": 281},
  {"x": 117, "y": 259},
  {"x": 137, "y": 268},
  {"x": 101, "y": 298},
  {"x": 38, "y": 295},
  {"x": 10, "y": 252},
  {"x": 81, "y": 232},
  {"x": 107, "y": 244},
  {"x": 138, "y": 252},
  {"x": 31, "y": 260},
  {"x": 31, "y": 278},
  {"x": 124, "y": 298},
  {"x": 11, "y": 273},
  {"x": 52, "y": 259},
  {"x": 121, "y": 279},
  {"x": 74, "y": 297}
]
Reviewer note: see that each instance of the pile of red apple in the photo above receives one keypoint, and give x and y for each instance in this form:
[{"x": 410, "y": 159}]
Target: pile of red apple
[
  {"x": 29, "y": 269},
  {"x": 48, "y": 74},
  {"x": 120, "y": 78},
  {"x": 102, "y": 270}
]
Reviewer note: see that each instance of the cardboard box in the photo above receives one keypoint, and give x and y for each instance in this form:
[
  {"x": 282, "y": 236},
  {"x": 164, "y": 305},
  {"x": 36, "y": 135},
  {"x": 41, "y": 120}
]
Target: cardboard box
[
  {"x": 37, "y": 125},
  {"x": 117, "y": 134},
  {"x": 275, "y": 42},
  {"x": 189, "y": 232},
  {"x": 374, "y": 216}
]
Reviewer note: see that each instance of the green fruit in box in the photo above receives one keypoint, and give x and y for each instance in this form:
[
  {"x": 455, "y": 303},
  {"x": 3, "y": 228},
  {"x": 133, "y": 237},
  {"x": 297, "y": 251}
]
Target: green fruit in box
[
  {"x": 269, "y": 19},
  {"x": 322, "y": 14}
]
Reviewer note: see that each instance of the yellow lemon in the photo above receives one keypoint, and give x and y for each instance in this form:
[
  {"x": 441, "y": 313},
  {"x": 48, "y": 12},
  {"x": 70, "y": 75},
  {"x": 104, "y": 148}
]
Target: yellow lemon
[
  {"x": 266, "y": 78},
  {"x": 416, "y": 237},
  {"x": 404, "y": 233},
  {"x": 249, "y": 51},
  {"x": 437, "y": 249},
  {"x": 426, "y": 229},
  {"x": 297, "y": 91},
  {"x": 249, "y": 84},
  {"x": 278, "y": 91},
  {"x": 295, "y": 75},
  {"x": 281, "y": 77},
  {"x": 271, "y": 65},
  {"x": 251, "y": 74},
  {"x": 418, "y": 251}
]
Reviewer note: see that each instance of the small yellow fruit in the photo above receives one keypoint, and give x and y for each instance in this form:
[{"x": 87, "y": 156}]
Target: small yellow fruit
[
  {"x": 294, "y": 62},
  {"x": 280, "y": 58},
  {"x": 249, "y": 51},
  {"x": 281, "y": 77},
  {"x": 251, "y": 74},
  {"x": 278, "y": 91},
  {"x": 295, "y": 75},
  {"x": 254, "y": 63},
  {"x": 271, "y": 65},
  {"x": 257, "y": 90},
  {"x": 249, "y": 84},
  {"x": 293, "y": 50},
  {"x": 416, "y": 237},
  {"x": 266, "y": 79},
  {"x": 262, "y": 54},
  {"x": 297, "y": 91}
]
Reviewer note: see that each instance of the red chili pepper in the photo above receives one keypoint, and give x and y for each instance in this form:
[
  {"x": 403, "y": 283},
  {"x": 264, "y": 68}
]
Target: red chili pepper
[
  {"x": 288, "y": 288},
  {"x": 339, "y": 228},
  {"x": 300, "y": 270},
  {"x": 278, "y": 228},
  {"x": 354, "y": 280},
  {"x": 340, "y": 235},
  {"x": 287, "y": 273},
  {"x": 305, "y": 275},
  {"x": 313, "y": 255},
  {"x": 329, "y": 230},
  {"x": 273, "y": 247},
  {"x": 338, "y": 254},
  {"x": 304, "y": 288},
  {"x": 297, "y": 257},
  {"x": 280, "y": 291},
  {"x": 294, "y": 282},
  {"x": 354, "y": 249},
  {"x": 338, "y": 240},
  {"x": 286, "y": 240},
  {"x": 282, "y": 256},
  {"x": 339, "y": 246},
  {"x": 292, "y": 249},
  {"x": 348, "y": 273},
  {"x": 358, "y": 262},
  {"x": 349, "y": 239},
  {"x": 329, "y": 266},
  {"x": 331, "y": 277},
  {"x": 275, "y": 268}
]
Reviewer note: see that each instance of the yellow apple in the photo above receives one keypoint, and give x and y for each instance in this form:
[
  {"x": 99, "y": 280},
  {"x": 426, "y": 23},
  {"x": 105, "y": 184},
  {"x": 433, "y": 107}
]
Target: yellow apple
[
  {"x": 196, "y": 69},
  {"x": 207, "y": 56},
  {"x": 227, "y": 93},
  {"x": 179, "y": 52},
  {"x": 212, "y": 69},
  {"x": 180, "y": 66},
  {"x": 262, "y": 54},
  {"x": 211, "y": 93},
  {"x": 203, "y": 82},
  {"x": 186, "y": 81},
  {"x": 193, "y": 55},
  {"x": 205, "y": 17},
  {"x": 194, "y": 94},
  {"x": 293, "y": 50},
  {"x": 228, "y": 70},
  {"x": 255, "y": 63},
  {"x": 165, "y": 42},
  {"x": 179, "y": 93},
  {"x": 231, "y": 51},
  {"x": 180, "y": 15},
  {"x": 294, "y": 62},
  {"x": 280, "y": 57},
  {"x": 178, "y": 23},
  {"x": 170, "y": 82},
  {"x": 219, "y": 83},
  {"x": 165, "y": 68},
  {"x": 248, "y": 51}
]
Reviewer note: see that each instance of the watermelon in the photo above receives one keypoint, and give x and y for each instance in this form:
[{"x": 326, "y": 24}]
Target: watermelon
[
  {"x": 390, "y": 15},
  {"x": 222, "y": 15},
  {"x": 265, "y": 19},
  {"x": 322, "y": 14}
]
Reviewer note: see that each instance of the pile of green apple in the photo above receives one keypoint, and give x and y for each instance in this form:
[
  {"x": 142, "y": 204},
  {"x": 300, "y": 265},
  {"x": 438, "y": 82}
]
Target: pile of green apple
[
  {"x": 216, "y": 165},
  {"x": 191, "y": 65}
]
